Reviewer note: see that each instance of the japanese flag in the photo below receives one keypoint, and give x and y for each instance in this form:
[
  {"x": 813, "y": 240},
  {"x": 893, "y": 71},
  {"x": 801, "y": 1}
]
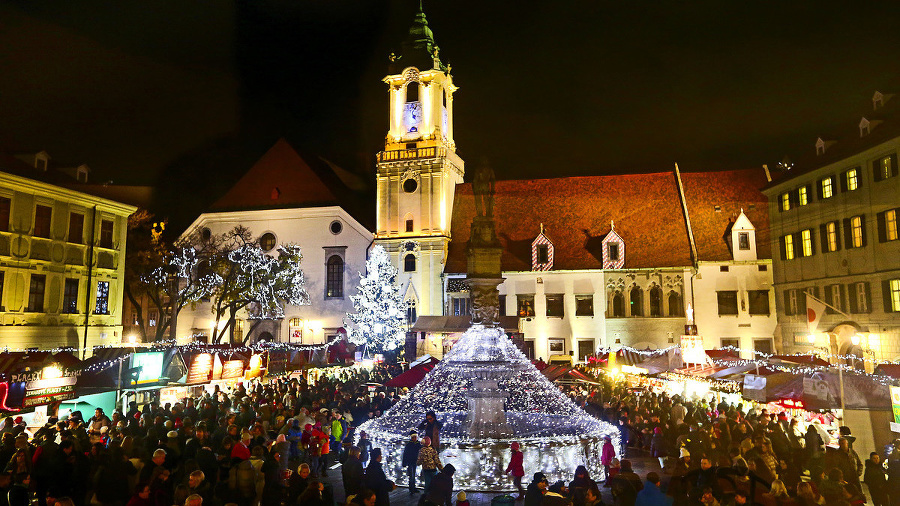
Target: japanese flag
[{"x": 814, "y": 311}]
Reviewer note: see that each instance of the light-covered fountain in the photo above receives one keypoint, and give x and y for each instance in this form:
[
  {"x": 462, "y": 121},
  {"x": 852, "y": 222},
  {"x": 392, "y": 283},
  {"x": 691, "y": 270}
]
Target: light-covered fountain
[{"x": 487, "y": 394}]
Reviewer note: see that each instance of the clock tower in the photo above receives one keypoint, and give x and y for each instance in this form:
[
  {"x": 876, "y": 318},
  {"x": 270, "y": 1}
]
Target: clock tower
[{"x": 418, "y": 170}]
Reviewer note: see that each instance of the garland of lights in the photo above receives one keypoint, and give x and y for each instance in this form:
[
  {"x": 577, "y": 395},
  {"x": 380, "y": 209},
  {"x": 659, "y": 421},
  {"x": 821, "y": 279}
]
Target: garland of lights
[
  {"x": 261, "y": 347},
  {"x": 802, "y": 354},
  {"x": 608, "y": 349},
  {"x": 483, "y": 369},
  {"x": 807, "y": 369}
]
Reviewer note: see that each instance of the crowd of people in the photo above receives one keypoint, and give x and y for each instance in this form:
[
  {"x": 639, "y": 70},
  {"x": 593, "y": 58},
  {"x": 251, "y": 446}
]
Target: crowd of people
[
  {"x": 275, "y": 442},
  {"x": 720, "y": 452}
]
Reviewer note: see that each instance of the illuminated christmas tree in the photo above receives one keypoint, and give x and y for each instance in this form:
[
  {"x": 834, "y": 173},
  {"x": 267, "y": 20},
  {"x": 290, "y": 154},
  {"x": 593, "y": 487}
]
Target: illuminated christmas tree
[{"x": 380, "y": 314}]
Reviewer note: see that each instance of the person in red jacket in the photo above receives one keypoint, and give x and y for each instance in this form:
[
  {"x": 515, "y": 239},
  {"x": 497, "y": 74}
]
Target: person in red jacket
[{"x": 516, "y": 469}]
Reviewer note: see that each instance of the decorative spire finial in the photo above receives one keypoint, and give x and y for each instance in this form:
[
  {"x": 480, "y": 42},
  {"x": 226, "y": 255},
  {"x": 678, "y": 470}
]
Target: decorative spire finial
[
  {"x": 542, "y": 228},
  {"x": 612, "y": 225}
]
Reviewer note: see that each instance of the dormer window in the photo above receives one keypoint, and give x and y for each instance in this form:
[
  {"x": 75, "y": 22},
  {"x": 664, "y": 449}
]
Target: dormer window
[
  {"x": 41, "y": 161},
  {"x": 877, "y": 100},
  {"x": 864, "y": 127},
  {"x": 541, "y": 252},
  {"x": 613, "y": 249},
  {"x": 744, "y": 240}
]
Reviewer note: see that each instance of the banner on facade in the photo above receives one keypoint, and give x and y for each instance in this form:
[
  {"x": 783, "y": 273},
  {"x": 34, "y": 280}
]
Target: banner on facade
[
  {"x": 895, "y": 403},
  {"x": 692, "y": 351}
]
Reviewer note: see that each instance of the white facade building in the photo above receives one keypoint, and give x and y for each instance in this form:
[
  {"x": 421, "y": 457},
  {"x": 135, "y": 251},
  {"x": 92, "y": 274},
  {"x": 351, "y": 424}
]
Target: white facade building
[{"x": 289, "y": 196}]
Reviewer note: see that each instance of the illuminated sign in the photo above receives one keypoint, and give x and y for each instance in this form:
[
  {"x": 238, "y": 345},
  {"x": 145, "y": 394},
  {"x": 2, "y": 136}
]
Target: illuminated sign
[
  {"x": 200, "y": 368},
  {"x": 49, "y": 390},
  {"x": 232, "y": 369},
  {"x": 151, "y": 366},
  {"x": 895, "y": 403},
  {"x": 255, "y": 369},
  {"x": 790, "y": 403},
  {"x": 692, "y": 351}
]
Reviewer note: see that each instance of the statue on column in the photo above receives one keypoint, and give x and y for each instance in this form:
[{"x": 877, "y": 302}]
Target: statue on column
[{"x": 483, "y": 188}]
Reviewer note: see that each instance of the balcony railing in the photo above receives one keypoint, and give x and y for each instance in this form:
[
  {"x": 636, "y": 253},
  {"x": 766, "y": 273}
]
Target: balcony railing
[{"x": 411, "y": 154}]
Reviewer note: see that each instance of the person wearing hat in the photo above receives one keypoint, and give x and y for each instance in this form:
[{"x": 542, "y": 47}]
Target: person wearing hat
[
  {"x": 461, "y": 499},
  {"x": 626, "y": 485},
  {"x": 556, "y": 495},
  {"x": 876, "y": 481},
  {"x": 534, "y": 494},
  {"x": 430, "y": 461},
  {"x": 440, "y": 491},
  {"x": 410, "y": 459},
  {"x": 516, "y": 469},
  {"x": 365, "y": 446},
  {"x": 607, "y": 454},
  {"x": 579, "y": 485}
]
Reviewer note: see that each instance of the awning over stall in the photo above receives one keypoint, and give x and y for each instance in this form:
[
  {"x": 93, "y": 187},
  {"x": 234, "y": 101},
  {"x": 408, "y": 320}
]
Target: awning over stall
[{"x": 413, "y": 376}]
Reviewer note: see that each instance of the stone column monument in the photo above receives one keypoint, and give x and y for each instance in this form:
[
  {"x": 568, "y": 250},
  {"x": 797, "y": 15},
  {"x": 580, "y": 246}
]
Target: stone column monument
[
  {"x": 487, "y": 412},
  {"x": 484, "y": 252}
]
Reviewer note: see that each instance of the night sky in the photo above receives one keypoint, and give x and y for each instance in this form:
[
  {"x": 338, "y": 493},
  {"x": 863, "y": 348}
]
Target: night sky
[{"x": 182, "y": 92}]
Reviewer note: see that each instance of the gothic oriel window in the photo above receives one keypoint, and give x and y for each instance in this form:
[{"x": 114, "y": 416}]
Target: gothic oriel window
[
  {"x": 655, "y": 301},
  {"x": 637, "y": 301}
]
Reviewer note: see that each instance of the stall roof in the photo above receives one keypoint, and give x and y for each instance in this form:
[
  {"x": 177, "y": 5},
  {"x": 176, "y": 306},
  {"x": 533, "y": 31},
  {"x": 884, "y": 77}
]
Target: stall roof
[
  {"x": 736, "y": 372},
  {"x": 799, "y": 359},
  {"x": 17, "y": 361},
  {"x": 413, "y": 376},
  {"x": 458, "y": 323},
  {"x": 892, "y": 370}
]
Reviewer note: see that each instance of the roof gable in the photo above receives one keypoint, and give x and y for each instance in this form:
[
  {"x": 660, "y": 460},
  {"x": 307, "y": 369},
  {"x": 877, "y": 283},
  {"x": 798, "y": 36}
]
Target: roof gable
[
  {"x": 610, "y": 261},
  {"x": 282, "y": 178}
]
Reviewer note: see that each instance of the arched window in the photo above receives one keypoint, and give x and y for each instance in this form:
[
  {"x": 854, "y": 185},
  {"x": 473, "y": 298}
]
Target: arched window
[
  {"x": 412, "y": 92},
  {"x": 655, "y": 301},
  {"x": 637, "y": 302},
  {"x": 676, "y": 308},
  {"x": 334, "y": 283},
  {"x": 411, "y": 312},
  {"x": 618, "y": 305},
  {"x": 409, "y": 263}
]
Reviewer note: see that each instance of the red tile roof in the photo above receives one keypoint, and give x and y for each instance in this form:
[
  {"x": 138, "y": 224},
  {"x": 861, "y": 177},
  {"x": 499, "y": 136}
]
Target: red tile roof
[
  {"x": 281, "y": 178},
  {"x": 732, "y": 191},
  {"x": 576, "y": 213}
]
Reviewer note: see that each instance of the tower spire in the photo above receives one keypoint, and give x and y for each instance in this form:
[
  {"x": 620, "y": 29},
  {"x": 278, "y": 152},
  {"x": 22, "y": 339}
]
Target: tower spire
[{"x": 419, "y": 49}]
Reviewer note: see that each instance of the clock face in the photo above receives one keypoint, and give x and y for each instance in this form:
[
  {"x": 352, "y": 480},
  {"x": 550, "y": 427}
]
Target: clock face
[{"x": 412, "y": 116}]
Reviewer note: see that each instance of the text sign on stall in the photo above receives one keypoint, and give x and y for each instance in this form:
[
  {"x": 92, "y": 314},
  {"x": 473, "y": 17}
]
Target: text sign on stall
[
  {"x": 46, "y": 391},
  {"x": 232, "y": 369},
  {"x": 895, "y": 403},
  {"x": 200, "y": 368}
]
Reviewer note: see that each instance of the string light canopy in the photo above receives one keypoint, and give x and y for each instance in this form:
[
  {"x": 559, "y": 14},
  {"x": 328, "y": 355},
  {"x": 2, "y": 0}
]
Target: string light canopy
[{"x": 484, "y": 369}]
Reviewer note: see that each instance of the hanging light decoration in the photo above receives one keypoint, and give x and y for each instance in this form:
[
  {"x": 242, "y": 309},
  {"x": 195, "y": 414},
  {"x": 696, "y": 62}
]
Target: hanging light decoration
[{"x": 485, "y": 369}]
